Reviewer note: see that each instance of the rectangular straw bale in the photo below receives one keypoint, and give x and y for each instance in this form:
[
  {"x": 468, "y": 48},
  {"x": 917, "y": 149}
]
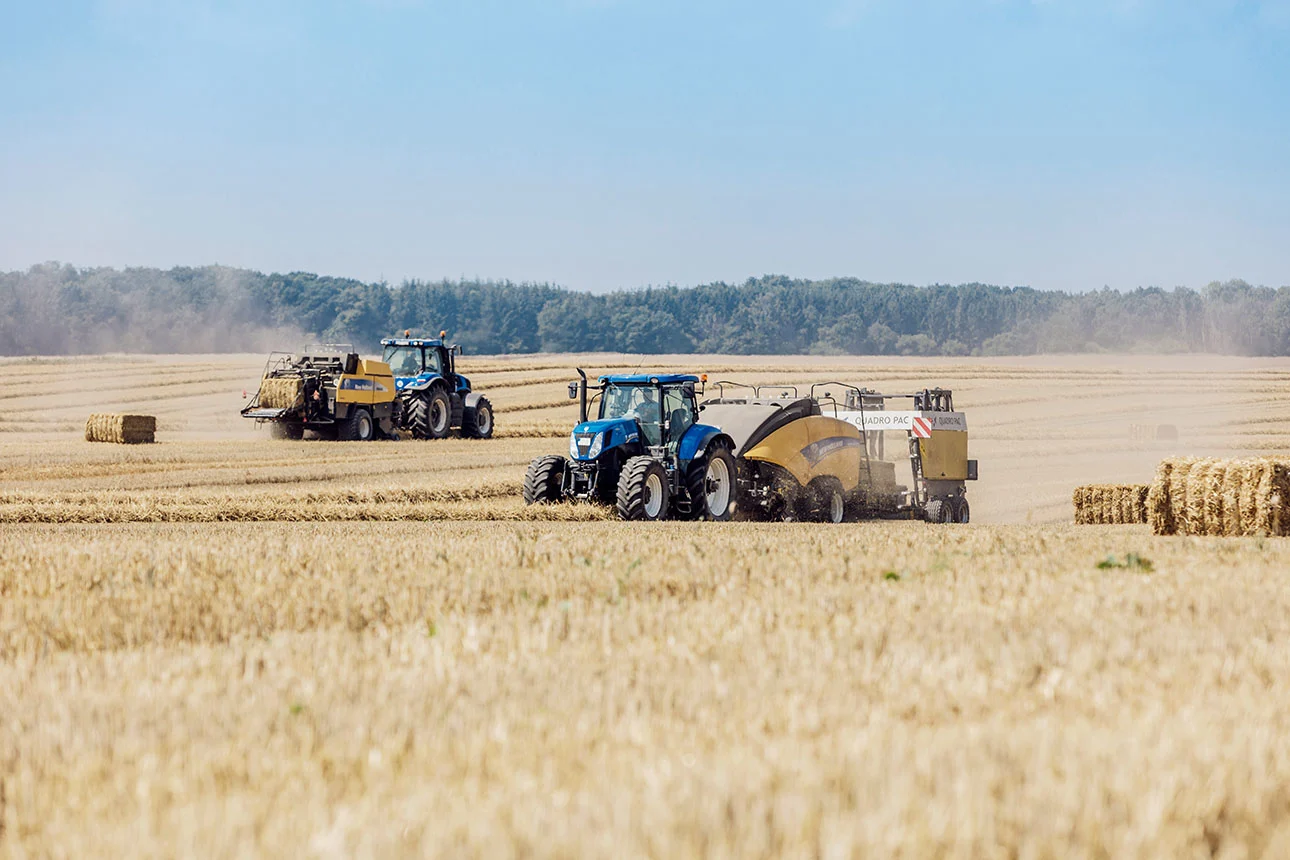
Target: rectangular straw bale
[
  {"x": 1110, "y": 504},
  {"x": 1177, "y": 492},
  {"x": 1233, "y": 485},
  {"x": 1159, "y": 512},
  {"x": 280, "y": 392},
  {"x": 1194, "y": 496},
  {"x": 127, "y": 429},
  {"x": 1215, "y": 479}
]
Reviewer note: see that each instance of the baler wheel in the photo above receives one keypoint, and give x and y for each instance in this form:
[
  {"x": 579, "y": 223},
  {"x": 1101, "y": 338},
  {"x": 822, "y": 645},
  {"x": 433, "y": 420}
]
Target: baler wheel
[{"x": 939, "y": 511}]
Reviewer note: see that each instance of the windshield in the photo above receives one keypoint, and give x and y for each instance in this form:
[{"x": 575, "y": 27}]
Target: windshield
[
  {"x": 634, "y": 401},
  {"x": 403, "y": 360}
]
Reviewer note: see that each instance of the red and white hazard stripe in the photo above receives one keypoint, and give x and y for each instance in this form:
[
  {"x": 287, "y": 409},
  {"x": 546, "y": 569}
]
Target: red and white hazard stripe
[{"x": 921, "y": 428}]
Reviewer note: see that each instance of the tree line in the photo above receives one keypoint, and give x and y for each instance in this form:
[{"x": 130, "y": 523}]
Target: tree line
[{"x": 56, "y": 309}]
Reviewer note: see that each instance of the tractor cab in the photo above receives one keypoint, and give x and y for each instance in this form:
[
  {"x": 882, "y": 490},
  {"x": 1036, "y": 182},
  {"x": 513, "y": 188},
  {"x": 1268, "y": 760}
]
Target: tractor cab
[
  {"x": 663, "y": 408},
  {"x": 417, "y": 360},
  {"x": 647, "y": 413}
]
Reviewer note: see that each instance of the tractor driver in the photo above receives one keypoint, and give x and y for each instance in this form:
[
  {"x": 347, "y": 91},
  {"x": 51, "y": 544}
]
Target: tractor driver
[{"x": 410, "y": 365}]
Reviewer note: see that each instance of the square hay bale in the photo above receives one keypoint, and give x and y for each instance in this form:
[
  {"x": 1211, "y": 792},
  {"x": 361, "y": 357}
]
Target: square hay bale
[
  {"x": 122, "y": 429},
  {"x": 1194, "y": 496},
  {"x": 281, "y": 392},
  {"x": 1110, "y": 504},
  {"x": 1160, "y": 515}
]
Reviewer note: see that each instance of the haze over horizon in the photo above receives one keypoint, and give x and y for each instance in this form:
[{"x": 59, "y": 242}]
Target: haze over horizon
[{"x": 604, "y": 144}]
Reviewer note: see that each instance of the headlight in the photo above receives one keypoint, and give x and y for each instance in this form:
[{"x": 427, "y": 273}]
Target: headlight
[
  {"x": 573, "y": 445},
  {"x": 596, "y": 445}
]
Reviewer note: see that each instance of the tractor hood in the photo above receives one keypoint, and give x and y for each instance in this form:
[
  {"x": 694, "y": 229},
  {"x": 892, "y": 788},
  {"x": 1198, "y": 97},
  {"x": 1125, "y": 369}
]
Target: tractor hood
[
  {"x": 421, "y": 380},
  {"x": 584, "y": 444}
]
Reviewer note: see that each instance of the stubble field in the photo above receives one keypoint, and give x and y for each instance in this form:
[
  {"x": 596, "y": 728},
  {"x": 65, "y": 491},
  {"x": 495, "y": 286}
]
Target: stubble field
[{"x": 226, "y": 645}]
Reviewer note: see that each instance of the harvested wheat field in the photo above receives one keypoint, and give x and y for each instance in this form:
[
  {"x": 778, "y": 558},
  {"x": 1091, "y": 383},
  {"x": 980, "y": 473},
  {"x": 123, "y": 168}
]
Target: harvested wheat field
[{"x": 214, "y": 645}]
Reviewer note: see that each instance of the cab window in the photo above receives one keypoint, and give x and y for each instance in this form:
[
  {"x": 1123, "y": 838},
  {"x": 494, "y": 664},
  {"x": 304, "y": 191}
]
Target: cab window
[
  {"x": 403, "y": 360},
  {"x": 680, "y": 412}
]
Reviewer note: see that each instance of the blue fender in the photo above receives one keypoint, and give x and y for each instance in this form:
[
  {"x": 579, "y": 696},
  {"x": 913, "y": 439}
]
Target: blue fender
[
  {"x": 463, "y": 385},
  {"x": 697, "y": 439}
]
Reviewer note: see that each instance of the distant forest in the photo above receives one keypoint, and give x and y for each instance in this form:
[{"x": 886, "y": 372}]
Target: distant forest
[{"x": 55, "y": 309}]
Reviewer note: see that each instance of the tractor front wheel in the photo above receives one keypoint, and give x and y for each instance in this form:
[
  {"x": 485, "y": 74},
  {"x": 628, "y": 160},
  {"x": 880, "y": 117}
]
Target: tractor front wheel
[
  {"x": 477, "y": 423},
  {"x": 544, "y": 480},
  {"x": 643, "y": 490}
]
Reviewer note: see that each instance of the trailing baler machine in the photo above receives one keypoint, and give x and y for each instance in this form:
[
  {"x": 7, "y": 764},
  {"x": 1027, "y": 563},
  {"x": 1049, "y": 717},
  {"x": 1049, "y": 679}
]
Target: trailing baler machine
[
  {"x": 937, "y": 439},
  {"x": 816, "y": 457}
]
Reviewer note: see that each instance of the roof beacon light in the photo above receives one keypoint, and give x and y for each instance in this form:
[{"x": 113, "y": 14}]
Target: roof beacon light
[
  {"x": 407, "y": 332},
  {"x": 442, "y": 335}
]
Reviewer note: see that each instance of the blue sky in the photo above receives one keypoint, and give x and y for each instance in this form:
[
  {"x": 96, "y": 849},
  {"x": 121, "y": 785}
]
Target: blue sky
[{"x": 615, "y": 143}]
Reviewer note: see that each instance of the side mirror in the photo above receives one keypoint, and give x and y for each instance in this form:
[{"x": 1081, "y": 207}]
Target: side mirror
[
  {"x": 573, "y": 391},
  {"x": 688, "y": 389}
]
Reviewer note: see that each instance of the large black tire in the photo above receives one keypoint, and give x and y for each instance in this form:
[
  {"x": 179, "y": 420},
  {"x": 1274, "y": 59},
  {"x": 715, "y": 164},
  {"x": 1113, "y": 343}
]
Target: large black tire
[
  {"x": 477, "y": 423},
  {"x": 962, "y": 511},
  {"x": 282, "y": 430},
  {"x": 824, "y": 501},
  {"x": 710, "y": 481},
  {"x": 939, "y": 511},
  {"x": 429, "y": 414},
  {"x": 439, "y": 415},
  {"x": 416, "y": 414},
  {"x": 643, "y": 490},
  {"x": 543, "y": 480},
  {"x": 358, "y": 427}
]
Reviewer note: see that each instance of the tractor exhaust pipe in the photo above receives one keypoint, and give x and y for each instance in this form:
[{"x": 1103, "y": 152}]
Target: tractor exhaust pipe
[{"x": 582, "y": 392}]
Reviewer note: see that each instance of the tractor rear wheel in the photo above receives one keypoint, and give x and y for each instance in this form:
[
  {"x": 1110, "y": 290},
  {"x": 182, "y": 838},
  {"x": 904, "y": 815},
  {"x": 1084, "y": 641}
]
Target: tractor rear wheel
[
  {"x": 643, "y": 490},
  {"x": 710, "y": 481},
  {"x": 544, "y": 480},
  {"x": 477, "y": 423},
  {"x": 429, "y": 414},
  {"x": 358, "y": 427},
  {"x": 439, "y": 415}
]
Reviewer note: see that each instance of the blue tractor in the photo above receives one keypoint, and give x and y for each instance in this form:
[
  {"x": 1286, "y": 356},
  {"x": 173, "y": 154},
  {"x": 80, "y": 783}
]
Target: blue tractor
[
  {"x": 433, "y": 398},
  {"x": 646, "y": 453}
]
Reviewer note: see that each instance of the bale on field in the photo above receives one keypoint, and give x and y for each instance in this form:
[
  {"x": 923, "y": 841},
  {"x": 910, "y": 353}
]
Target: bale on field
[
  {"x": 1160, "y": 515},
  {"x": 1110, "y": 504},
  {"x": 281, "y": 392},
  {"x": 1194, "y": 496},
  {"x": 126, "y": 429}
]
